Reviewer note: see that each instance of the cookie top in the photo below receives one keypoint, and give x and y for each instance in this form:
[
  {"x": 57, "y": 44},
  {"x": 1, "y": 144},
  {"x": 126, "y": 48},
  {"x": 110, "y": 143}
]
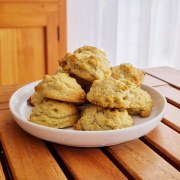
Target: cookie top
[
  {"x": 109, "y": 93},
  {"x": 61, "y": 87},
  {"x": 55, "y": 114},
  {"x": 113, "y": 93},
  {"x": 87, "y": 62},
  {"x": 127, "y": 71},
  {"x": 97, "y": 118}
]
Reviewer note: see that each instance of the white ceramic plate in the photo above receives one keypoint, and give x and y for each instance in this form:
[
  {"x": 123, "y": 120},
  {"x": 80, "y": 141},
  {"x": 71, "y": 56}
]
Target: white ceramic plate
[{"x": 21, "y": 111}]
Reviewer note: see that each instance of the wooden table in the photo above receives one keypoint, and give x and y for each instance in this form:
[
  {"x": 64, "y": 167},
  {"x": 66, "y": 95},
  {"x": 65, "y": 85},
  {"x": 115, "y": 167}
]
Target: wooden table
[{"x": 154, "y": 156}]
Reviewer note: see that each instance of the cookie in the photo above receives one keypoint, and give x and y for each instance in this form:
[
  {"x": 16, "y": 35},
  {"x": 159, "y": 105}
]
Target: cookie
[
  {"x": 35, "y": 99},
  {"x": 61, "y": 87},
  {"x": 96, "y": 118},
  {"x": 111, "y": 93},
  {"x": 54, "y": 114},
  {"x": 127, "y": 71},
  {"x": 141, "y": 104},
  {"x": 78, "y": 126},
  {"x": 87, "y": 62}
]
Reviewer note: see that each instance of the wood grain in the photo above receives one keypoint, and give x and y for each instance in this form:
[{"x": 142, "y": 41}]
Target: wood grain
[
  {"x": 27, "y": 156},
  {"x": 88, "y": 163},
  {"x": 152, "y": 81},
  {"x": 172, "y": 117},
  {"x": 28, "y": 1},
  {"x": 2, "y": 176},
  {"x": 4, "y": 106},
  {"x": 168, "y": 74},
  {"x": 22, "y": 55},
  {"x": 7, "y": 91},
  {"x": 142, "y": 162},
  {"x": 14, "y": 20},
  {"x": 172, "y": 94},
  {"x": 52, "y": 43},
  {"x": 29, "y": 36},
  {"x": 167, "y": 141},
  {"x": 62, "y": 29},
  {"x": 28, "y": 7}
]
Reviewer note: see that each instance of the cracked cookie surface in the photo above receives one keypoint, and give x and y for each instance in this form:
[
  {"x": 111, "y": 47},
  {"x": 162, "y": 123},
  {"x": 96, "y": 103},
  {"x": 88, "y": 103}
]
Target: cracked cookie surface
[
  {"x": 87, "y": 62},
  {"x": 61, "y": 87},
  {"x": 54, "y": 114},
  {"x": 35, "y": 99},
  {"x": 111, "y": 93},
  {"x": 127, "y": 71},
  {"x": 95, "y": 118}
]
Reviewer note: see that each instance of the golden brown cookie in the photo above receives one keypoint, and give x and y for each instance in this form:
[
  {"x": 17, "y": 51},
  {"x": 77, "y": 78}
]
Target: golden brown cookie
[
  {"x": 61, "y": 87},
  {"x": 87, "y": 62},
  {"x": 141, "y": 104},
  {"x": 95, "y": 118},
  {"x": 113, "y": 93},
  {"x": 54, "y": 114},
  {"x": 35, "y": 99},
  {"x": 78, "y": 126},
  {"x": 110, "y": 93},
  {"x": 127, "y": 71}
]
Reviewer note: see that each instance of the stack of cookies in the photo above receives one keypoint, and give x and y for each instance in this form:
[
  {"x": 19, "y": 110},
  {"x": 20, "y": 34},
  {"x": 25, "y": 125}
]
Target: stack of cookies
[{"x": 88, "y": 94}]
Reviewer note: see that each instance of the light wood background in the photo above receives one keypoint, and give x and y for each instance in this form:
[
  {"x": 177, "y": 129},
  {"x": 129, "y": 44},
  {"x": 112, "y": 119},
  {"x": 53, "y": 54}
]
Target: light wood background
[{"x": 32, "y": 39}]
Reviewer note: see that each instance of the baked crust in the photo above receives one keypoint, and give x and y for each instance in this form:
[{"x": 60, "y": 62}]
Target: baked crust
[
  {"x": 95, "y": 118},
  {"x": 111, "y": 93},
  {"x": 61, "y": 87},
  {"x": 54, "y": 114},
  {"x": 87, "y": 62},
  {"x": 127, "y": 71},
  {"x": 35, "y": 99}
]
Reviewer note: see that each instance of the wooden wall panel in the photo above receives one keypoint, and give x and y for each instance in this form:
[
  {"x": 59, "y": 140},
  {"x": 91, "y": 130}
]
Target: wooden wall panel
[
  {"x": 32, "y": 39},
  {"x": 22, "y": 55}
]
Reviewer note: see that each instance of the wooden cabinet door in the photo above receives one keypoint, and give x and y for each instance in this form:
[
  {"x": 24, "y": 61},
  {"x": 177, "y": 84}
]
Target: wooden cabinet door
[{"x": 29, "y": 41}]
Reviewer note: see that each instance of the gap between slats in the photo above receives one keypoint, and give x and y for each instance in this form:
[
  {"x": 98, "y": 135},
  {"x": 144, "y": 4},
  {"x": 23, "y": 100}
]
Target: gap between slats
[
  {"x": 59, "y": 160},
  {"x": 160, "y": 153},
  {"x": 124, "y": 155},
  {"x": 5, "y": 165},
  {"x": 170, "y": 125},
  {"x": 116, "y": 163},
  {"x": 166, "y": 142},
  {"x": 165, "y": 81}
]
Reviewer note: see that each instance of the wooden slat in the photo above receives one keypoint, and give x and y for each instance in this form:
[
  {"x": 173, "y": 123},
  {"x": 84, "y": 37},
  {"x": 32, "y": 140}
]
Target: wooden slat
[
  {"x": 20, "y": 46},
  {"x": 170, "y": 75},
  {"x": 22, "y": 20},
  {"x": 4, "y": 106},
  {"x": 27, "y": 156},
  {"x": 88, "y": 163},
  {"x": 2, "y": 176},
  {"x": 167, "y": 141},
  {"x": 172, "y": 117},
  {"x": 52, "y": 43},
  {"x": 28, "y": 1},
  {"x": 172, "y": 94},
  {"x": 152, "y": 81},
  {"x": 24, "y": 7},
  {"x": 7, "y": 91},
  {"x": 62, "y": 29},
  {"x": 142, "y": 162}
]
